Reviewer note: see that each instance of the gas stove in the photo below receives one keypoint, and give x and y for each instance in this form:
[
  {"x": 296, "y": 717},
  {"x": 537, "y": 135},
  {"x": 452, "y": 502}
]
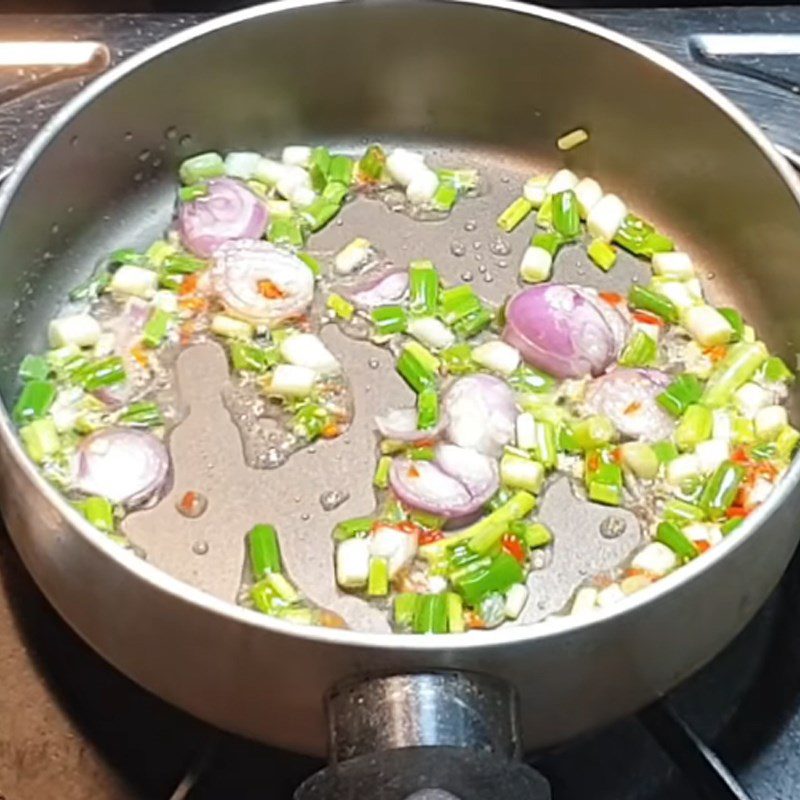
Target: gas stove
[{"x": 73, "y": 728}]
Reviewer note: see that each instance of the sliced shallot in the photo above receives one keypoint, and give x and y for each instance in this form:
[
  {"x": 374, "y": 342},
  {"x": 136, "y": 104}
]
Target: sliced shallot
[
  {"x": 628, "y": 398},
  {"x": 228, "y": 211},
  {"x": 386, "y": 289},
  {"x": 124, "y": 465},
  {"x": 481, "y": 413},
  {"x": 260, "y": 283}
]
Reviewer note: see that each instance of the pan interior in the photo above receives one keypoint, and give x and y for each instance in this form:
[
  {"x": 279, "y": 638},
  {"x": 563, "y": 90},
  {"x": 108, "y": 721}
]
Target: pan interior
[{"x": 477, "y": 88}]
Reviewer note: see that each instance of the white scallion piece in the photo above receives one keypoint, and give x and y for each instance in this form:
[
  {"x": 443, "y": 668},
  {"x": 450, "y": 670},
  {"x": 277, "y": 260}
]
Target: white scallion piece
[
  {"x": 66, "y": 408},
  {"x": 584, "y": 602},
  {"x": 610, "y": 595},
  {"x": 279, "y": 208},
  {"x": 519, "y": 472},
  {"x": 707, "y": 325},
  {"x": 655, "y": 558},
  {"x": 605, "y": 217},
  {"x": 535, "y": 191},
  {"x": 526, "y": 431},
  {"x": 516, "y": 597},
  {"x": 769, "y": 422},
  {"x": 750, "y": 398},
  {"x": 562, "y": 181},
  {"x": 536, "y": 266},
  {"x": 230, "y": 327},
  {"x": 422, "y": 186},
  {"x": 722, "y": 425},
  {"x": 352, "y": 563},
  {"x": 296, "y": 155},
  {"x": 289, "y": 380},
  {"x": 397, "y": 547},
  {"x": 352, "y": 256},
  {"x": 292, "y": 182},
  {"x": 303, "y": 197},
  {"x": 104, "y": 346},
  {"x": 703, "y": 532},
  {"x": 676, "y": 265},
  {"x": 683, "y": 468},
  {"x": 497, "y": 356},
  {"x": 82, "y": 330},
  {"x": 136, "y": 281},
  {"x": 166, "y": 301},
  {"x": 431, "y": 332},
  {"x": 711, "y": 453},
  {"x": 269, "y": 171},
  {"x": 241, "y": 165},
  {"x": 308, "y": 350},
  {"x": 678, "y": 292},
  {"x": 572, "y": 139},
  {"x": 588, "y": 193},
  {"x": 404, "y": 164}
]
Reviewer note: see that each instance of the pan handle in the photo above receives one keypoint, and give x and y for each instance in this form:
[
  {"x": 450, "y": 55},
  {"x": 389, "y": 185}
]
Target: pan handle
[{"x": 424, "y": 736}]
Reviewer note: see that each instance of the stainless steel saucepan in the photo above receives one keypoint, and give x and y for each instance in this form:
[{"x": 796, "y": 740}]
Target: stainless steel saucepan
[{"x": 489, "y": 83}]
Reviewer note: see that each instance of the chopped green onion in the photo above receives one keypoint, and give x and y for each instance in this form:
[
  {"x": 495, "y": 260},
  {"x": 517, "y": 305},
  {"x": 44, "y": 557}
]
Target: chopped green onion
[
  {"x": 657, "y": 243},
  {"x": 641, "y": 238},
  {"x": 202, "y": 167},
  {"x": 685, "y": 390},
  {"x": 311, "y": 263},
  {"x": 125, "y": 255},
  {"x": 787, "y": 442},
  {"x": 34, "y": 402},
  {"x": 348, "y": 528},
  {"x": 264, "y": 549},
  {"x": 774, "y": 370},
  {"x": 473, "y": 324},
  {"x": 372, "y": 164},
  {"x": 343, "y": 309},
  {"x": 695, "y": 426},
  {"x": 546, "y": 446},
  {"x": 189, "y": 193},
  {"x": 593, "y": 432},
  {"x": 544, "y": 214},
  {"x": 179, "y": 264},
  {"x": 682, "y": 511},
  {"x": 417, "y": 366},
  {"x": 730, "y": 525},
  {"x": 40, "y": 438},
  {"x": 514, "y": 214},
  {"x": 430, "y": 614},
  {"x": 378, "y": 580},
  {"x": 319, "y": 166},
  {"x": 156, "y": 328},
  {"x": 655, "y": 303},
  {"x": 286, "y": 230},
  {"x": 335, "y": 192},
  {"x": 566, "y": 217},
  {"x": 603, "y": 254},
  {"x": 534, "y": 534},
  {"x": 455, "y": 613},
  {"x": 389, "y": 319},
  {"x": 340, "y": 170},
  {"x": 427, "y": 409},
  {"x": 245, "y": 356},
  {"x": 281, "y": 586},
  {"x": 735, "y": 320},
  {"x": 381, "y": 478},
  {"x": 529, "y": 379},
  {"x": 445, "y": 197},
  {"x": 262, "y": 596},
  {"x": 739, "y": 365},
  {"x": 99, "y": 512},
  {"x": 665, "y": 451},
  {"x": 405, "y": 605},
  {"x": 501, "y": 574},
  {"x": 320, "y": 212},
  {"x": 421, "y": 453},
  {"x": 432, "y": 522},
  {"x": 605, "y": 493},
  {"x": 521, "y": 472},
  {"x": 310, "y": 420},
  {"x": 549, "y": 241},
  {"x": 462, "y": 179},
  {"x": 641, "y": 351},
  {"x": 423, "y": 288},
  {"x": 98, "y": 374},
  {"x": 641, "y": 459},
  {"x": 720, "y": 490},
  {"x": 457, "y": 360},
  {"x": 34, "y": 368},
  {"x": 486, "y": 532},
  {"x": 673, "y": 537},
  {"x": 457, "y": 303},
  {"x": 144, "y": 413},
  {"x": 157, "y": 253}
]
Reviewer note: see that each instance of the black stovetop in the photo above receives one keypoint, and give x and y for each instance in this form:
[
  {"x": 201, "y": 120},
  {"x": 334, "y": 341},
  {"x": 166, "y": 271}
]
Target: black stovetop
[{"x": 732, "y": 731}]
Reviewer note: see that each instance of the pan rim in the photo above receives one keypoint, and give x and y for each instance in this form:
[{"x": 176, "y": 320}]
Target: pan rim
[{"x": 505, "y": 635}]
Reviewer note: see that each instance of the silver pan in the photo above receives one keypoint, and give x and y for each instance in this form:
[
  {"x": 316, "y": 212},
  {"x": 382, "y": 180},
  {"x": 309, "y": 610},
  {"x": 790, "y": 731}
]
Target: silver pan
[{"x": 486, "y": 83}]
